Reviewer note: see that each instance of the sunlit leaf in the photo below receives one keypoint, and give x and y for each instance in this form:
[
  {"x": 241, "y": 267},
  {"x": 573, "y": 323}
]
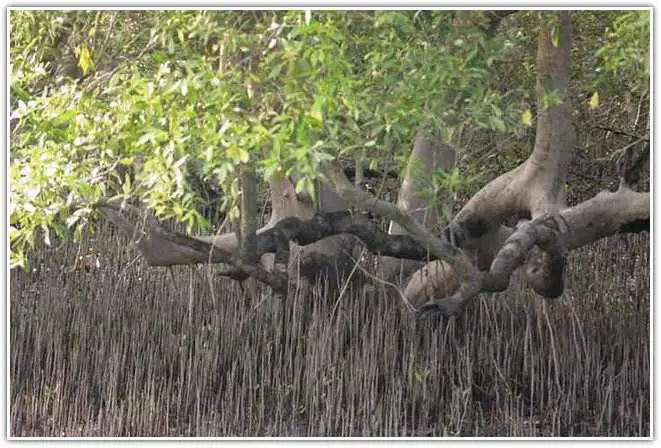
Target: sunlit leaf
[
  {"x": 555, "y": 36},
  {"x": 316, "y": 113},
  {"x": 85, "y": 61},
  {"x": 526, "y": 117},
  {"x": 216, "y": 88},
  {"x": 238, "y": 154}
]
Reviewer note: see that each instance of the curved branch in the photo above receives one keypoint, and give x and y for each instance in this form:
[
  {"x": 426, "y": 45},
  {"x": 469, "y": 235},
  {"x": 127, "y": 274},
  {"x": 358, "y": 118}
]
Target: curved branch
[
  {"x": 543, "y": 232},
  {"x": 604, "y": 215},
  {"x": 162, "y": 247},
  {"x": 534, "y": 188},
  {"x": 360, "y": 199}
]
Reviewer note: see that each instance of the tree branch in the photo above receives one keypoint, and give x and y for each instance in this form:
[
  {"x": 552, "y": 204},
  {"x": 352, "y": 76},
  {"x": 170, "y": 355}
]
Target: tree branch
[
  {"x": 469, "y": 276},
  {"x": 494, "y": 18},
  {"x": 548, "y": 267},
  {"x": 619, "y": 132},
  {"x": 365, "y": 201},
  {"x": 604, "y": 215},
  {"x": 163, "y": 247}
]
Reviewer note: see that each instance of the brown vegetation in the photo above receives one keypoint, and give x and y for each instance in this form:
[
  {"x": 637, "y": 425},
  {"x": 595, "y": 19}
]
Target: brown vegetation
[{"x": 128, "y": 350}]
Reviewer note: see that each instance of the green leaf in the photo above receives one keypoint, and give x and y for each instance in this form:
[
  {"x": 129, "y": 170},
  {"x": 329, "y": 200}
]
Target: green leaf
[
  {"x": 18, "y": 259},
  {"x": 526, "y": 117},
  {"x": 555, "y": 36},
  {"x": 65, "y": 117},
  {"x": 594, "y": 100},
  {"x": 238, "y": 154},
  {"x": 85, "y": 61},
  {"x": 316, "y": 112},
  {"x": 498, "y": 124},
  {"x": 148, "y": 137}
]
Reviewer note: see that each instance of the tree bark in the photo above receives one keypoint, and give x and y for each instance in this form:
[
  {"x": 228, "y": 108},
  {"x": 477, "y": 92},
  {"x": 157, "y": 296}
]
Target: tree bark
[
  {"x": 605, "y": 214},
  {"x": 328, "y": 258},
  {"x": 248, "y": 224},
  {"x": 476, "y": 251},
  {"x": 536, "y": 187},
  {"x": 417, "y": 198}
]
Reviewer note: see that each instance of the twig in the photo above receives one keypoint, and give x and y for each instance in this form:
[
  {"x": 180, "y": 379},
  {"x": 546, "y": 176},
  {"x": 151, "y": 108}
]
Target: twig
[
  {"x": 407, "y": 304},
  {"x": 617, "y": 154},
  {"x": 102, "y": 49},
  {"x": 94, "y": 82},
  {"x": 347, "y": 281},
  {"x": 616, "y": 131}
]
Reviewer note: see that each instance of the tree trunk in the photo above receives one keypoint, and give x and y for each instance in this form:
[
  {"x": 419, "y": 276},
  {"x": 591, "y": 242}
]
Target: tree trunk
[
  {"x": 476, "y": 251},
  {"x": 326, "y": 259},
  {"x": 532, "y": 190},
  {"x": 417, "y": 198},
  {"x": 248, "y": 224}
]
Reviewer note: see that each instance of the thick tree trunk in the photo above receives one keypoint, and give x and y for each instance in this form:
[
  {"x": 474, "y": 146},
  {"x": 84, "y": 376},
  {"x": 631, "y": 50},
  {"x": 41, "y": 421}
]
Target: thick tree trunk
[
  {"x": 532, "y": 190},
  {"x": 418, "y": 199},
  {"x": 248, "y": 224},
  {"x": 328, "y": 258},
  {"x": 430, "y": 154}
]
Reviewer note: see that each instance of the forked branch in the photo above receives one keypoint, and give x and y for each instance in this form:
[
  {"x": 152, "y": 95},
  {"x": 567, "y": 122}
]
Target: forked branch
[
  {"x": 163, "y": 247},
  {"x": 535, "y": 188},
  {"x": 606, "y": 214}
]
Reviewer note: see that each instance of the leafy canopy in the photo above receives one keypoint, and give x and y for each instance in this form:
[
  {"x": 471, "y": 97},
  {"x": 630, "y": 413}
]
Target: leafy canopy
[{"x": 116, "y": 104}]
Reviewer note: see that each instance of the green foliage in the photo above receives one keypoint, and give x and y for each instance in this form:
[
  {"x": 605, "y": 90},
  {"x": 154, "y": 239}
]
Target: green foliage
[
  {"x": 117, "y": 104},
  {"x": 610, "y": 54},
  {"x": 626, "y": 49},
  {"x": 286, "y": 90}
]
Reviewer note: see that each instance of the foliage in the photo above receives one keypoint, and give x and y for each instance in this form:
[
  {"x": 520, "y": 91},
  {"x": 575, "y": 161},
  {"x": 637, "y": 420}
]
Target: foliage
[
  {"x": 121, "y": 104},
  {"x": 611, "y": 56},
  {"x": 626, "y": 50}
]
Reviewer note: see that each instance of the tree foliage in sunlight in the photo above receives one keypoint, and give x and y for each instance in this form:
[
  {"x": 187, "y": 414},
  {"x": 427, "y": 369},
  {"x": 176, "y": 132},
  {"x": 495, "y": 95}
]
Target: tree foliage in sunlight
[{"x": 116, "y": 104}]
